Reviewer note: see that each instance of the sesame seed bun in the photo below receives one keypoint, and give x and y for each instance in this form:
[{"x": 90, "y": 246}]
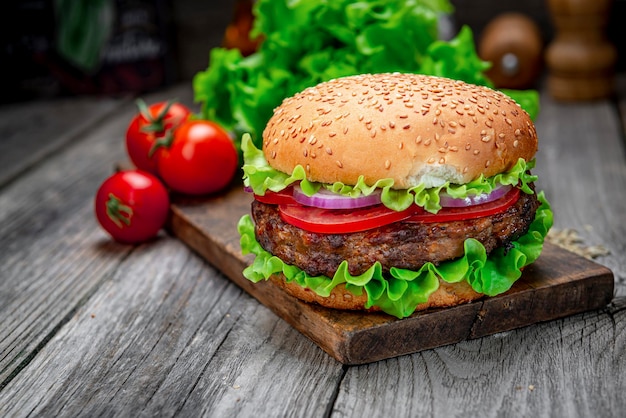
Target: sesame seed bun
[
  {"x": 446, "y": 296},
  {"x": 408, "y": 127}
]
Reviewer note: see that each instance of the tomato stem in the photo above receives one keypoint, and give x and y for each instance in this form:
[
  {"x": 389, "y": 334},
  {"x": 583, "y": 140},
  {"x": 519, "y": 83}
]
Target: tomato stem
[
  {"x": 164, "y": 141},
  {"x": 155, "y": 124},
  {"x": 118, "y": 212}
]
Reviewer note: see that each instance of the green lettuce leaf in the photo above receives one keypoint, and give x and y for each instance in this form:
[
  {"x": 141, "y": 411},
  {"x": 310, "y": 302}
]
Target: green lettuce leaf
[
  {"x": 310, "y": 41},
  {"x": 399, "y": 292},
  {"x": 261, "y": 177}
]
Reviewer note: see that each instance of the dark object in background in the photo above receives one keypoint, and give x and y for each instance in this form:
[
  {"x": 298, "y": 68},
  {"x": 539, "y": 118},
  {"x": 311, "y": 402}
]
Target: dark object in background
[
  {"x": 581, "y": 59},
  {"x": 69, "y": 47},
  {"x": 237, "y": 33},
  {"x": 513, "y": 43}
]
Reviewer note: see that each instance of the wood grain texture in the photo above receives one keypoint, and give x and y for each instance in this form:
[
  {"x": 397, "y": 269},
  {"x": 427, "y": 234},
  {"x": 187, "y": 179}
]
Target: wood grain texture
[
  {"x": 166, "y": 335},
  {"x": 53, "y": 255},
  {"x": 30, "y": 132},
  {"x": 560, "y": 283},
  {"x": 93, "y": 328},
  {"x": 542, "y": 371},
  {"x": 581, "y": 166}
]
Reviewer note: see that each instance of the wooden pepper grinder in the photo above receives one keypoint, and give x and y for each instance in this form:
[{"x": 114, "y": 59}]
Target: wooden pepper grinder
[
  {"x": 513, "y": 44},
  {"x": 580, "y": 59}
]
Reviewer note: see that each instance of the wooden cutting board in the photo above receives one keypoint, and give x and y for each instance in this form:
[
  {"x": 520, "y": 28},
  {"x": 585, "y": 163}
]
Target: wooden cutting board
[{"x": 560, "y": 283}]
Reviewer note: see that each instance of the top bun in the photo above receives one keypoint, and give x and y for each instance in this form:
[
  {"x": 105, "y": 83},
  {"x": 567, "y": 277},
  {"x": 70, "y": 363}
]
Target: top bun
[{"x": 409, "y": 127}]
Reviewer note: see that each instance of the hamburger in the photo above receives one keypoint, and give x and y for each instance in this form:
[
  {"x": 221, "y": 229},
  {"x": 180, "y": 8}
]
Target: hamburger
[{"x": 393, "y": 192}]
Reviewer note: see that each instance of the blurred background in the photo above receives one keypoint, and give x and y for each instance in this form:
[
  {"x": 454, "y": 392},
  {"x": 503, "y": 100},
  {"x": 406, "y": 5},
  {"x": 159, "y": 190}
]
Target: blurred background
[{"x": 53, "y": 48}]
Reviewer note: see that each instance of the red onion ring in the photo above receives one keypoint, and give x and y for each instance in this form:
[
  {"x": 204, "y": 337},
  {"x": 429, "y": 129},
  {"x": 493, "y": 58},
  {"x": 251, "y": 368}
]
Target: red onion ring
[
  {"x": 326, "y": 199},
  {"x": 447, "y": 201}
]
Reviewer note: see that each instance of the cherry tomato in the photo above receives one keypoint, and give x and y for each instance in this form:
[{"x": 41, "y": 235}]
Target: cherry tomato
[
  {"x": 341, "y": 221},
  {"x": 132, "y": 206},
  {"x": 201, "y": 159},
  {"x": 151, "y": 124}
]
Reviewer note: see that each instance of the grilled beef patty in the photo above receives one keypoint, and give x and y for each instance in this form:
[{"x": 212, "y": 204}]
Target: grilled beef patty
[{"x": 402, "y": 244}]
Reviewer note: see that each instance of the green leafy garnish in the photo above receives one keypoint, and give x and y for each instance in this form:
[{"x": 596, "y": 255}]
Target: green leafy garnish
[
  {"x": 261, "y": 177},
  {"x": 399, "y": 292}
]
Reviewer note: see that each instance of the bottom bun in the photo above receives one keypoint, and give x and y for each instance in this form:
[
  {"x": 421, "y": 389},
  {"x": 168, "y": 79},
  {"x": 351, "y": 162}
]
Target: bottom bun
[{"x": 447, "y": 295}]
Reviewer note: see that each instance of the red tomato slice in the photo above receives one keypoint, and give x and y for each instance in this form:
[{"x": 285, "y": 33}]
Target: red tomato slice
[
  {"x": 337, "y": 221},
  {"x": 284, "y": 197},
  {"x": 333, "y": 221},
  {"x": 469, "y": 212}
]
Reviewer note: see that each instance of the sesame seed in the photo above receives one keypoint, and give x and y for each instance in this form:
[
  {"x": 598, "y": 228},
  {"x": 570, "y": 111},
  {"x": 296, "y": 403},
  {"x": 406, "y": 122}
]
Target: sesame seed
[
  {"x": 406, "y": 127},
  {"x": 486, "y": 138},
  {"x": 305, "y": 152},
  {"x": 418, "y": 140},
  {"x": 442, "y": 160},
  {"x": 515, "y": 143},
  {"x": 387, "y": 164},
  {"x": 401, "y": 145},
  {"x": 476, "y": 152},
  {"x": 329, "y": 151},
  {"x": 488, "y": 163},
  {"x": 273, "y": 154},
  {"x": 430, "y": 160},
  {"x": 518, "y": 132},
  {"x": 508, "y": 121},
  {"x": 332, "y": 134},
  {"x": 488, "y": 123},
  {"x": 339, "y": 164}
]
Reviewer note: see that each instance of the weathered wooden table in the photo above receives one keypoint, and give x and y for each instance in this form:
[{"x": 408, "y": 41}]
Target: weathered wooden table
[{"x": 94, "y": 328}]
